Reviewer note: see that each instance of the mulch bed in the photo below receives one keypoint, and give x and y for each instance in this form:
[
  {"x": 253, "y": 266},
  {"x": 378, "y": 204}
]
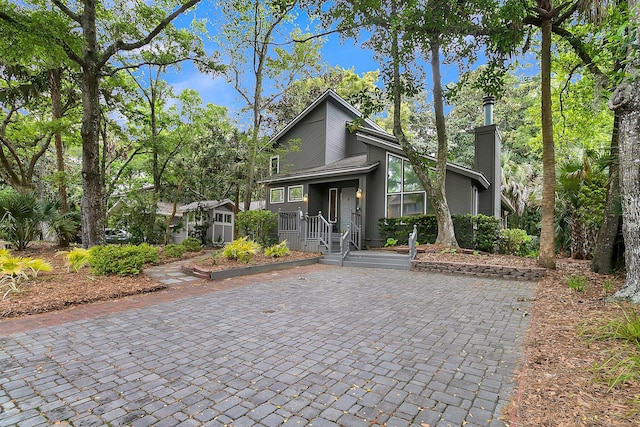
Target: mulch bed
[{"x": 219, "y": 263}]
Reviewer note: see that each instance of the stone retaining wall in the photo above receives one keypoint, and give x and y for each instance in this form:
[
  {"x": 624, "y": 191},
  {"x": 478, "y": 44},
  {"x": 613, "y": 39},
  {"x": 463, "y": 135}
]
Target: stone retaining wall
[{"x": 480, "y": 270}]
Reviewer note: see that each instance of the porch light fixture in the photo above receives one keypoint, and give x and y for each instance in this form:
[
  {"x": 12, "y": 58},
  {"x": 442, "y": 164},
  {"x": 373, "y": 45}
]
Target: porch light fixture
[
  {"x": 305, "y": 198},
  {"x": 359, "y": 193}
]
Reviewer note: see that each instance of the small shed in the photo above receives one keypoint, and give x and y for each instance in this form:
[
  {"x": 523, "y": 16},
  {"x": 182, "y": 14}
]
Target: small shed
[{"x": 217, "y": 216}]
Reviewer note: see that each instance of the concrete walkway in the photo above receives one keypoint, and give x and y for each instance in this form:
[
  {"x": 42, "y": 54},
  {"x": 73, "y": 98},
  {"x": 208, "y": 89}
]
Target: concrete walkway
[{"x": 345, "y": 347}]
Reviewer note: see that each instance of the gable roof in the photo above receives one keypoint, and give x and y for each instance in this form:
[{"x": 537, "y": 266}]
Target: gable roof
[
  {"x": 347, "y": 166},
  {"x": 329, "y": 93},
  {"x": 388, "y": 142}
]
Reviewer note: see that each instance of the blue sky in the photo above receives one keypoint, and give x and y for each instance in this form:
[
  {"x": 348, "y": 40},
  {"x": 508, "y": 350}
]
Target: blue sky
[{"x": 215, "y": 89}]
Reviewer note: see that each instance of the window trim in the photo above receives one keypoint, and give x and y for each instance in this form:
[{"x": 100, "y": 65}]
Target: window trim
[
  {"x": 293, "y": 187},
  {"x": 271, "y": 191},
  {"x": 277, "y": 168}
]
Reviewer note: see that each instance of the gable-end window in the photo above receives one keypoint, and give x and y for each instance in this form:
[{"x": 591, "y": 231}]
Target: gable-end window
[
  {"x": 277, "y": 195},
  {"x": 405, "y": 195},
  {"x": 295, "y": 193},
  {"x": 274, "y": 165}
]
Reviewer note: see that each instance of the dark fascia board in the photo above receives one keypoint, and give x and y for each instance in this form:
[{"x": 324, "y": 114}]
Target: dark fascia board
[
  {"x": 300, "y": 176},
  {"x": 328, "y": 93},
  {"x": 383, "y": 140}
]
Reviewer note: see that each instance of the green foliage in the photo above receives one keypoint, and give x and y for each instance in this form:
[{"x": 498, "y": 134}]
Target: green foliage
[
  {"x": 14, "y": 271},
  {"x": 191, "y": 244},
  {"x": 138, "y": 216},
  {"x": 513, "y": 241},
  {"x": 390, "y": 242},
  {"x": 577, "y": 283},
  {"x": 623, "y": 365},
  {"x": 472, "y": 232},
  {"x": 241, "y": 249},
  {"x": 76, "y": 258},
  {"x": 278, "y": 251},
  {"x": 20, "y": 216},
  {"x": 173, "y": 250},
  {"x": 123, "y": 260},
  {"x": 450, "y": 251},
  {"x": 257, "y": 225}
]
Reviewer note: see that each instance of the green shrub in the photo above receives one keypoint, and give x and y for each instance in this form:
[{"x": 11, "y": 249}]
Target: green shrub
[
  {"x": 390, "y": 242},
  {"x": 241, "y": 249},
  {"x": 513, "y": 241},
  {"x": 472, "y": 232},
  {"x": 191, "y": 244},
  {"x": 278, "y": 251},
  {"x": 257, "y": 225},
  {"x": 76, "y": 258},
  {"x": 123, "y": 260},
  {"x": 173, "y": 250}
]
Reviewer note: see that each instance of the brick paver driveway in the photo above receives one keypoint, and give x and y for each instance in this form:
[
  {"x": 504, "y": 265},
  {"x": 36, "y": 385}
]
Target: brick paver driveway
[{"x": 349, "y": 347}]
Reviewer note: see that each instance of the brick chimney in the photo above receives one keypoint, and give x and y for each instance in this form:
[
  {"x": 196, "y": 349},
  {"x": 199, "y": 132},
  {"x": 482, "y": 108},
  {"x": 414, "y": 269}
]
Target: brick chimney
[{"x": 488, "y": 143}]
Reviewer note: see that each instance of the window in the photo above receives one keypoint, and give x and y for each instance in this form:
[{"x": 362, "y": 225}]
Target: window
[
  {"x": 223, "y": 218},
  {"x": 474, "y": 200},
  {"x": 405, "y": 195},
  {"x": 295, "y": 193},
  {"x": 277, "y": 195},
  {"x": 274, "y": 165},
  {"x": 333, "y": 205}
]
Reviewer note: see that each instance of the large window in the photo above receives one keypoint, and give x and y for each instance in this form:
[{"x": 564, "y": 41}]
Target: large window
[{"x": 405, "y": 195}]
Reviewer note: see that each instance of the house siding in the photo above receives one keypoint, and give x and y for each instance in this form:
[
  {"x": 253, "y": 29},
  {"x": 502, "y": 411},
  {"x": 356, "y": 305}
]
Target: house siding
[
  {"x": 458, "y": 188},
  {"x": 312, "y": 134},
  {"x": 488, "y": 144},
  {"x": 375, "y": 197},
  {"x": 339, "y": 139}
]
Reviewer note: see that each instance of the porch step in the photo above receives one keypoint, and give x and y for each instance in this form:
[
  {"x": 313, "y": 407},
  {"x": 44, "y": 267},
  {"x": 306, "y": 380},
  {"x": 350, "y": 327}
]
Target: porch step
[{"x": 369, "y": 259}]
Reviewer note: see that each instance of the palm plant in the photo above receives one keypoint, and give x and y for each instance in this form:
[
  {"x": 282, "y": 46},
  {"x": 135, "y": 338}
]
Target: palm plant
[{"x": 20, "y": 216}]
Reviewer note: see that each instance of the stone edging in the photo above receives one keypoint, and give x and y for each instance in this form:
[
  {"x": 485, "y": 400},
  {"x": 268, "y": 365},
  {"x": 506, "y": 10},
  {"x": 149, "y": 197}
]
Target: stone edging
[
  {"x": 243, "y": 271},
  {"x": 480, "y": 270}
]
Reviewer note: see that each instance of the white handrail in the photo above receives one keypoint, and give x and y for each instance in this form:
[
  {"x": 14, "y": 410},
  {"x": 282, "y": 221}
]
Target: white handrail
[
  {"x": 344, "y": 248},
  {"x": 413, "y": 240}
]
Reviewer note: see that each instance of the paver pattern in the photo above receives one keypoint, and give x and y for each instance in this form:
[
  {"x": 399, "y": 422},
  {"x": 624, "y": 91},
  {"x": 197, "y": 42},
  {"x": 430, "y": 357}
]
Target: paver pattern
[{"x": 346, "y": 347}]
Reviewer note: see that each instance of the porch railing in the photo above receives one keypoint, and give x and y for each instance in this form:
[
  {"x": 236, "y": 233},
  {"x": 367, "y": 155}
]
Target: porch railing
[
  {"x": 318, "y": 229},
  {"x": 356, "y": 229}
]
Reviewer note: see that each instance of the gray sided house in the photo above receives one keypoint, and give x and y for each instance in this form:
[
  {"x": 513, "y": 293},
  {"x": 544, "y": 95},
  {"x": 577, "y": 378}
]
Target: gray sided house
[{"x": 342, "y": 182}]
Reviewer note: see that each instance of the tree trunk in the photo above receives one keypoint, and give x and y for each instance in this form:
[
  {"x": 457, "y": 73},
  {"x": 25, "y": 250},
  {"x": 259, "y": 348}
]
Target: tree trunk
[
  {"x": 547, "y": 257},
  {"x": 91, "y": 202},
  {"x": 605, "y": 245},
  {"x": 446, "y": 233},
  {"x": 626, "y": 100},
  {"x": 55, "y": 83}
]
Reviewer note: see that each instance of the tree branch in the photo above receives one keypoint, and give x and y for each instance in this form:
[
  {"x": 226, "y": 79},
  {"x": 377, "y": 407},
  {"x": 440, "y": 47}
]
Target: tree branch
[
  {"x": 63, "y": 7},
  {"x": 122, "y": 46}
]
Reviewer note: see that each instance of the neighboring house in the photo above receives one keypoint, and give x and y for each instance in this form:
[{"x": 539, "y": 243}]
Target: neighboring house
[
  {"x": 340, "y": 180},
  {"x": 217, "y": 215}
]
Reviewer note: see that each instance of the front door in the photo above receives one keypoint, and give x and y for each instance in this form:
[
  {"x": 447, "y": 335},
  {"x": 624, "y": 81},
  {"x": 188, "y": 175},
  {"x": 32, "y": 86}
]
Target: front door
[{"x": 347, "y": 205}]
